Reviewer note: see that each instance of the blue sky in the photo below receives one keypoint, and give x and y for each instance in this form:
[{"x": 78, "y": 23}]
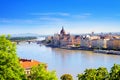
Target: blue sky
[{"x": 48, "y": 16}]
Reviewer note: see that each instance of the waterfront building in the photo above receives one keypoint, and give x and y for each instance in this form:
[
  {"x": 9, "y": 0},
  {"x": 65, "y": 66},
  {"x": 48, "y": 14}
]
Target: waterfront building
[
  {"x": 55, "y": 41},
  {"x": 113, "y": 44},
  {"x": 64, "y": 40},
  {"x": 95, "y": 41},
  {"x": 85, "y": 43},
  {"x": 67, "y": 40},
  {"x": 48, "y": 38},
  {"x": 99, "y": 43}
]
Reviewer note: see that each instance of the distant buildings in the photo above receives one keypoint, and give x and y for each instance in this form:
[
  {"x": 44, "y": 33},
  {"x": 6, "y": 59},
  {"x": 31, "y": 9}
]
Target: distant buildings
[
  {"x": 114, "y": 44},
  {"x": 63, "y": 39},
  {"x": 94, "y": 41},
  {"x": 85, "y": 43}
]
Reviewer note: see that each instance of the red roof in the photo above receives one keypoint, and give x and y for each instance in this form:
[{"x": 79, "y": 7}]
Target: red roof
[{"x": 28, "y": 63}]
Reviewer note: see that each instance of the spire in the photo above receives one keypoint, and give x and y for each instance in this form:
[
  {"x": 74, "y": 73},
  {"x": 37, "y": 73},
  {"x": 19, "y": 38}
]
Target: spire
[
  {"x": 62, "y": 28},
  {"x": 62, "y": 31}
]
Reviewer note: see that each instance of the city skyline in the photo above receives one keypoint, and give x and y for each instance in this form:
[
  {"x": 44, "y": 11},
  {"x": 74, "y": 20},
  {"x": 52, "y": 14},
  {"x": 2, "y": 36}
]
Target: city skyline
[{"x": 48, "y": 17}]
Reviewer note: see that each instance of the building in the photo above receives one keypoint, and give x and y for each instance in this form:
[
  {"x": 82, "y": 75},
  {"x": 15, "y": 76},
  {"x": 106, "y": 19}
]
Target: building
[
  {"x": 77, "y": 40},
  {"x": 94, "y": 41},
  {"x": 86, "y": 40},
  {"x": 85, "y": 43},
  {"x": 64, "y": 40},
  {"x": 99, "y": 43},
  {"x": 113, "y": 44},
  {"x": 28, "y": 64}
]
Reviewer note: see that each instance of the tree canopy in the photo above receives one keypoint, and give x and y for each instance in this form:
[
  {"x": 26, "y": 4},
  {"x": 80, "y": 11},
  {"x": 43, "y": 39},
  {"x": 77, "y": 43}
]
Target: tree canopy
[
  {"x": 115, "y": 72},
  {"x": 10, "y": 68},
  {"x": 66, "y": 77},
  {"x": 40, "y": 73},
  {"x": 101, "y": 74}
]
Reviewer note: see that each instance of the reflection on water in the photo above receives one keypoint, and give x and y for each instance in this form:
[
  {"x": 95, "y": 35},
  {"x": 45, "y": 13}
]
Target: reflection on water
[{"x": 66, "y": 61}]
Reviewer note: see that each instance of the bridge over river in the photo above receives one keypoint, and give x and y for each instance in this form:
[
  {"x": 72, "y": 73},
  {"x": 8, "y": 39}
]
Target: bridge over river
[
  {"x": 37, "y": 41},
  {"x": 29, "y": 41}
]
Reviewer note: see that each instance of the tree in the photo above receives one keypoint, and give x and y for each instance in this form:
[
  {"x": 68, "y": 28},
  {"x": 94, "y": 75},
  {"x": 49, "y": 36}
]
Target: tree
[
  {"x": 90, "y": 74},
  {"x": 94, "y": 74},
  {"x": 10, "y": 68},
  {"x": 81, "y": 76},
  {"x": 66, "y": 77},
  {"x": 40, "y": 73},
  {"x": 102, "y": 74},
  {"x": 8, "y": 37},
  {"x": 115, "y": 72}
]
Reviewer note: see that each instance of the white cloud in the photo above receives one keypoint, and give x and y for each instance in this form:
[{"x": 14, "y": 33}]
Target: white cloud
[
  {"x": 5, "y": 20},
  {"x": 55, "y": 27},
  {"x": 82, "y": 16},
  {"x": 47, "y": 18},
  {"x": 38, "y": 20},
  {"x": 50, "y": 19},
  {"x": 51, "y": 13},
  {"x": 62, "y": 14}
]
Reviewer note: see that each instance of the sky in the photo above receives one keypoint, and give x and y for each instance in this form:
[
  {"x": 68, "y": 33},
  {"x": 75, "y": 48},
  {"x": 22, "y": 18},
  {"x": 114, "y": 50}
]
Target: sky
[{"x": 48, "y": 16}]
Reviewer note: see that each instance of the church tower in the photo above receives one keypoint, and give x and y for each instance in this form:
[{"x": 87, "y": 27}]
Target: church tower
[{"x": 62, "y": 31}]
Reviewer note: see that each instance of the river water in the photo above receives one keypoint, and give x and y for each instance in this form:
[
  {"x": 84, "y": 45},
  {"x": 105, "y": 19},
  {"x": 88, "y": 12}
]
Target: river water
[{"x": 66, "y": 61}]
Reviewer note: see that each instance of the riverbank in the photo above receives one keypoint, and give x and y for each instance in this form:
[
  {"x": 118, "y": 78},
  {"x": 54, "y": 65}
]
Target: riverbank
[
  {"x": 113, "y": 52},
  {"x": 107, "y": 52}
]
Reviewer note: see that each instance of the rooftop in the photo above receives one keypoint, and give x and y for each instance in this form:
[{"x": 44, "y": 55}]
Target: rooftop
[{"x": 25, "y": 63}]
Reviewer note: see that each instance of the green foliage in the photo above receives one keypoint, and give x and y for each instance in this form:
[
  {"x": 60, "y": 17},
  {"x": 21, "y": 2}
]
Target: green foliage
[
  {"x": 40, "y": 73},
  {"x": 102, "y": 74},
  {"x": 66, "y": 77},
  {"x": 115, "y": 72},
  {"x": 90, "y": 74},
  {"x": 8, "y": 36},
  {"x": 94, "y": 74},
  {"x": 10, "y": 68}
]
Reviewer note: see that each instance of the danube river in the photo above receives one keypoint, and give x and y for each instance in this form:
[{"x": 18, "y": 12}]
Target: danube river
[{"x": 66, "y": 61}]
